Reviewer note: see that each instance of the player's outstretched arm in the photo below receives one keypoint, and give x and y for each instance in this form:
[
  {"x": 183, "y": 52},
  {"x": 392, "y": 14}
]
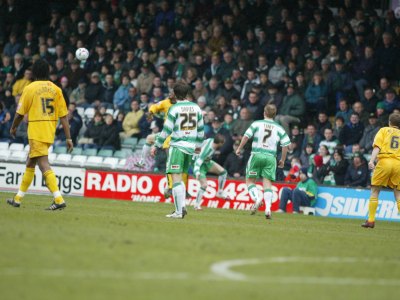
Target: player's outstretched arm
[
  {"x": 283, "y": 157},
  {"x": 17, "y": 120},
  {"x": 65, "y": 124}
]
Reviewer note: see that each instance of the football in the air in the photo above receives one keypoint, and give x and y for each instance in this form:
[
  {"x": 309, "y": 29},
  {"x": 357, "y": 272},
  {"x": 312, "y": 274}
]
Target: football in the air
[{"x": 82, "y": 54}]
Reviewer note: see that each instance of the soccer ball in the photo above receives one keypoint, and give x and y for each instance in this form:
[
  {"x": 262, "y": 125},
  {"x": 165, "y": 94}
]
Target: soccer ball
[{"x": 82, "y": 54}]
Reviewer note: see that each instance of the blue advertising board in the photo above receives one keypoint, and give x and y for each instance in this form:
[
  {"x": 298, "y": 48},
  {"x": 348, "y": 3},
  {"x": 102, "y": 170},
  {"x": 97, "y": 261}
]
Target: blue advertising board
[{"x": 353, "y": 203}]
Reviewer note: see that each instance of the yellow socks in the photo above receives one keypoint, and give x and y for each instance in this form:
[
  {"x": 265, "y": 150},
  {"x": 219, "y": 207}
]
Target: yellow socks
[
  {"x": 185, "y": 179},
  {"x": 169, "y": 179},
  {"x": 373, "y": 205},
  {"x": 51, "y": 182},
  {"x": 26, "y": 182}
]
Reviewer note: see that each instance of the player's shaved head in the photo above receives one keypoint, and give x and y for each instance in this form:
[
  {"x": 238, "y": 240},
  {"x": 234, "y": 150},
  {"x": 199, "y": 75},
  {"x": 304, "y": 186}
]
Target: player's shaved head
[
  {"x": 394, "y": 120},
  {"x": 270, "y": 111},
  {"x": 40, "y": 70},
  {"x": 181, "y": 90}
]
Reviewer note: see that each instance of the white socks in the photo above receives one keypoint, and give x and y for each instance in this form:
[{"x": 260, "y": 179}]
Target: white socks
[
  {"x": 268, "y": 200},
  {"x": 179, "y": 193},
  {"x": 221, "y": 181},
  {"x": 199, "y": 196},
  {"x": 253, "y": 192}
]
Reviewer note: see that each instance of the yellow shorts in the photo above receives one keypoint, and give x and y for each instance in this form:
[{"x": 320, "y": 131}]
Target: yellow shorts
[
  {"x": 387, "y": 173},
  {"x": 166, "y": 143},
  {"x": 37, "y": 148}
]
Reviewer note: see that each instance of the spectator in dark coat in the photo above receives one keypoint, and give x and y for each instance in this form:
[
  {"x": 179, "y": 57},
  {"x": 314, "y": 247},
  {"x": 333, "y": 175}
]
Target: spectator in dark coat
[
  {"x": 369, "y": 133},
  {"x": 94, "y": 91},
  {"x": 340, "y": 83},
  {"x": 217, "y": 128},
  {"x": 339, "y": 167},
  {"x": 109, "y": 90},
  {"x": 370, "y": 100},
  {"x": 311, "y": 137},
  {"x": 352, "y": 132},
  {"x": 357, "y": 172},
  {"x": 93, "y": 132},
  {"x": 253, "y": 104},
  {"x": 109, "y": 137},
  {"x": 235, "y": 165}
]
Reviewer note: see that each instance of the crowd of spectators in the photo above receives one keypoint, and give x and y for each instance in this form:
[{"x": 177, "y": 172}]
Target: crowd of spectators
[{"x": 331, "y": 67}]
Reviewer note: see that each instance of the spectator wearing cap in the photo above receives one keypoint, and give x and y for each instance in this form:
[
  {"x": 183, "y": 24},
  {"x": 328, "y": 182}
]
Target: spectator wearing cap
[
  {"x": 277, "y": 72},
  {"x": 131, "y": 121},
  {"x": 291, "y": 110},
  {"x": 304, "y": 194},
  {"x": 94, "y": 91},
  {"x": 383, "y": 117},
  {"x": 370, "y": 131},
  {"x": 273, "y": 96},
  {"x": 145, "y": 79},
  {"x": 121, "y": 96},
  {"x": 316, "y": 94},
  {"x": 352, "y": 132},
  {"x": 217, "y": 128},
  {"x": 391, "y": 101},
  {"x": 357, "y": 172}
]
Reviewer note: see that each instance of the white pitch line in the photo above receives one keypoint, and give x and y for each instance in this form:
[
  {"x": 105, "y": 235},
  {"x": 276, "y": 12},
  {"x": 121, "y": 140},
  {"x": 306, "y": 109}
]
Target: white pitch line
[{"x": 223, "y": 270}]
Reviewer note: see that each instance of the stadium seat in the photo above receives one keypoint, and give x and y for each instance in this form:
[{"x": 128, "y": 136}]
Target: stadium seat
[
  {"x": 110, "y": 111},
  {"x": 89, "y": 152},
  {"x": 121, "y": 164},
  {"x": 89, "y": 113},
  {"x": 16, "y": 147},
  {"x": 63, "y": 159},
  {"x": 81, "y": 111},
  {"x": 94, "y": 161},
  {"x": 110, "y": 162},
  {"x": 78, "y": 160},
  {"x": 105, "y": 153},
  {"x": 51, "y": 148},
  {"x": 52, "y": 157},
  {"x": 129, "y": 143},
  {"x": 4, "y": 154},
  {"x": 121, "y": 154},
  {"x": 3, "y": 146},
  {"x": 27, "y": 148},
  {"x": 140, "y": 144},
  {"x": 60, "y": 150},
  {"x": 19, "y": 156},
  {"x": 128, "y": 152},
  {"x": 77, "y": 151}
]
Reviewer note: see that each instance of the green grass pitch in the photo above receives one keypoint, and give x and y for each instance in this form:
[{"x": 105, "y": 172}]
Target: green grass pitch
[{"x": 104, "y": 249}]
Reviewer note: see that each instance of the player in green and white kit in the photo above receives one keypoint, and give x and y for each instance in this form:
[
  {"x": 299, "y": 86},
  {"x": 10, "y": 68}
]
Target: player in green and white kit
[
  {"x": 203, "y": 165},
  {"x": 266, "y": 134},
  {"x": 185, "y": 125}
]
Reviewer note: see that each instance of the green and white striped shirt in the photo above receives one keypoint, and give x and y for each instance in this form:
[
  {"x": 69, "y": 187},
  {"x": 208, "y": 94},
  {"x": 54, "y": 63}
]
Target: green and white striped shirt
[
  {"x": 206, "y": 153},
  {"x": 185, "y": 125},
  {"x": 266, "y": 136}
]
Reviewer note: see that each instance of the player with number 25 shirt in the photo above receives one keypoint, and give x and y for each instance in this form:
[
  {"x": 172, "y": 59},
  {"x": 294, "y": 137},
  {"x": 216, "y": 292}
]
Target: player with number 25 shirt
[{"x": 266, "y": 134}]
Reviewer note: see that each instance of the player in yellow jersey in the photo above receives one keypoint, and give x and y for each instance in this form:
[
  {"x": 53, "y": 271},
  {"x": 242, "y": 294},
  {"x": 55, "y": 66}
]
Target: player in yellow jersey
[
  {"x": 44, "y": 104},
  {"x": 387, "y": 170}
]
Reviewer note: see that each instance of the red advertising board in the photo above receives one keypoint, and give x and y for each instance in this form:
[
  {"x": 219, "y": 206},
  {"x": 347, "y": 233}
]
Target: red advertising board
[{"x": 150, "y": 188}]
